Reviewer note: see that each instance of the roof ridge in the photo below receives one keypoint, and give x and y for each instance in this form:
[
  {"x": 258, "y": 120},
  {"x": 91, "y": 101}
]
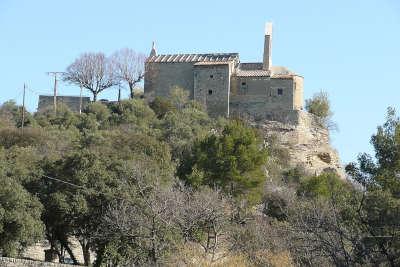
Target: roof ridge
[
  {"x": 198, "y": 54},
  {"x": 251, "y": 63},
  {"x": 214, "y": 57}
]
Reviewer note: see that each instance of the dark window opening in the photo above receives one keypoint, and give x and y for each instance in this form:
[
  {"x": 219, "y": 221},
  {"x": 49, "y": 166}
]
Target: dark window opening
[
  {"x": 210, "y": 92},
  {"x": 280, "y": 91},
  {"x": 211, "y": 76},
  {"x": 243, "y": 86}
]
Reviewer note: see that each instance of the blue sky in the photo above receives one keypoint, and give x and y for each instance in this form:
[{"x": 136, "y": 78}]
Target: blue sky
[{"x": 349, "y": 48}]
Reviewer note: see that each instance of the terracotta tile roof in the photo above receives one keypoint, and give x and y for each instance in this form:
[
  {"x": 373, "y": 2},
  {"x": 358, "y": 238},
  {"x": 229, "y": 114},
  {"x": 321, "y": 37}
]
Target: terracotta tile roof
[
  {"x": 253, "y": 73},
  {"x": 207, "y": 63},
  {"x": 251, "y": 66},
  {"x": 216, "y": 57},
  {"x": 255, "y": 70}
]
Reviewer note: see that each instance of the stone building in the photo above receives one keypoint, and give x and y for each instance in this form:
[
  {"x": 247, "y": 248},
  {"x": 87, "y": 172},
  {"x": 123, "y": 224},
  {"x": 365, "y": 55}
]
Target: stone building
[
  {"x": 226, "y": 86},
  {"x": 72, "y": 102}
]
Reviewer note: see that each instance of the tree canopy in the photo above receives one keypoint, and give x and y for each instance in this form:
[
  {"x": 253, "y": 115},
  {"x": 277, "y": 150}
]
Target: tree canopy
[
  {"x": 162, "y": 183},
  {"x": 231, "y": 160},
  {"x": 20, "y": 222}
]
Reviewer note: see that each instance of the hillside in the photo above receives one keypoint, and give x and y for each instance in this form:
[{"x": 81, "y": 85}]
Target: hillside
[
  {"x": 162, "y": 183},
  {"x": 306, "y": 140}
]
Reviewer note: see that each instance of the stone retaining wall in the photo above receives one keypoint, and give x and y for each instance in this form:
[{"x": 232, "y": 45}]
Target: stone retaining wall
[{"x": 11, "y": 262}]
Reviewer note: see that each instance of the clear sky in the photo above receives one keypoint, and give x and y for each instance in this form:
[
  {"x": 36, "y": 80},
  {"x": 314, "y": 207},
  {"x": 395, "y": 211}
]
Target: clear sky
[{"x": 350, "y": 48}]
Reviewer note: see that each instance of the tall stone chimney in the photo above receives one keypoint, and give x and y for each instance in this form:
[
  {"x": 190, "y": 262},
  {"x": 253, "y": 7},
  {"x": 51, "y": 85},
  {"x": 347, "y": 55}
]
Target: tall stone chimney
[{"x": 267, "y": 61}]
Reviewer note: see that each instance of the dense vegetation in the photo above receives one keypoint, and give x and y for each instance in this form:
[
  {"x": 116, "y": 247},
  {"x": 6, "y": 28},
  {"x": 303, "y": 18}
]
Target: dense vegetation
[{"x": 164, "y": 184}]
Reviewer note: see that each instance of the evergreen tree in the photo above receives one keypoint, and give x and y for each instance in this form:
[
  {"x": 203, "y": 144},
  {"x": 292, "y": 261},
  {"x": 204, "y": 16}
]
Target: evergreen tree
[{"x": 232, "y": 161}]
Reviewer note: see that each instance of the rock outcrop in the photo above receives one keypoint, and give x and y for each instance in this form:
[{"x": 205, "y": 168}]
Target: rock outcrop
[{"x": 306, "y": 141}]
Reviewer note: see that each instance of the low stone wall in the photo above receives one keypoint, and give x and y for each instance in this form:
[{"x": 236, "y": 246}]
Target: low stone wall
[
  {"x": 292, "y": 117},
  {"x": 11, "y": 262},
  {"x": 36, "y": 252},
  {"x": 72, "y": 102}
]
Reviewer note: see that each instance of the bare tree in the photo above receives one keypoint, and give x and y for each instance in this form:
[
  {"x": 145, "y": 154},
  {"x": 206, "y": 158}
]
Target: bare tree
[
  {"x": 205, "y": 210},
  {"x": 262, "y": 241},
  {"x": 139, "y": 225},
  {"x": 92, "y": 71},
  {"x": 319, "y": 234},
  {"x": 145, "y": 227},
  {"x": 129, "y": 67}
]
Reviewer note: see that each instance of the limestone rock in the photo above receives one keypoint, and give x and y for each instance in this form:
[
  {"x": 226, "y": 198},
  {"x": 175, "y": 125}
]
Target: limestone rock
[{"x": 306, "y": 140}]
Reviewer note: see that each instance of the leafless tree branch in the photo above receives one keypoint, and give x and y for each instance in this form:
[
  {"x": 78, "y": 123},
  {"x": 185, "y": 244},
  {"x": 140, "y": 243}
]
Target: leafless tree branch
[
  {"x": 92, "y": 71},
  {"x": 128, "y": 67}
]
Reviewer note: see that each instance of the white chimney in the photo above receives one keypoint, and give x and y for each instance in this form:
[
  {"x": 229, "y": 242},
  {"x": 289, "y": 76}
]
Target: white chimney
[{"x": 267, "y": 61}]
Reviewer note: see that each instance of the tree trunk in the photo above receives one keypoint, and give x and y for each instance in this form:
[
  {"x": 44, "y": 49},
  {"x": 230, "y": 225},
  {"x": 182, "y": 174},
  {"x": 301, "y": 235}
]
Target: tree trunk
[
  {"x": 153, "y": 253},
  {"x": 131, "y": 87},
  {"x": 94, "y": 96},
  {"x": 69, "y": 250},
  {"x": 100, "y": 256},
  {"x": 86, "y": 254}
]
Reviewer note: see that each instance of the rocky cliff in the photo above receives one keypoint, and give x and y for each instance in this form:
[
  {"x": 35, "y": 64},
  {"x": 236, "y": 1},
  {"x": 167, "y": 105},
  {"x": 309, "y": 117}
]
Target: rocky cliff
[{"x": 306, "y": 141}]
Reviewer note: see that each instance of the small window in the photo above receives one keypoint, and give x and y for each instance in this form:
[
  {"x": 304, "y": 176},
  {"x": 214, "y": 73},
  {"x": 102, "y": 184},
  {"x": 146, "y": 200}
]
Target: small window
[
  {"x": 211, "y": 76},
  {"x": 280, "y": 91},
  {"x": 210, "y": 92},
  {"x": 243, "y": 86}
]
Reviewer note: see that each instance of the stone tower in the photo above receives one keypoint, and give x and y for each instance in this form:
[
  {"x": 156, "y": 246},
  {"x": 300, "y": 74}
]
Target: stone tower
[{"x": 267, "y": 62}]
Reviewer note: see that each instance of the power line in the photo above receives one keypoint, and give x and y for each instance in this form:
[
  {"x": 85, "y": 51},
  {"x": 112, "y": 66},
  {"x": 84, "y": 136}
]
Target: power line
[
  {"x": 16, "y": 97},
  {"x": 37, "y": 93},
  {"x": 88, "y": 190},
  {"x": 55, "y": 73},
  {"x": 65, "y": 182}
]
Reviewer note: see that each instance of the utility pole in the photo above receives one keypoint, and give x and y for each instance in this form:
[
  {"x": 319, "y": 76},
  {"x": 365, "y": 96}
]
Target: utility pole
[
  {"x": 55, "y": 73},
  {"x": 80, "y": 101},
  {"x": 119, "y": 93},
  {"x": 23, "y": 109}
]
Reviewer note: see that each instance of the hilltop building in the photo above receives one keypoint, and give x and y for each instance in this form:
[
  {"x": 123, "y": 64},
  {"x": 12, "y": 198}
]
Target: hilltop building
[
  {"x": 72, "y": 102},
  {"x": 224, "y": 85}
]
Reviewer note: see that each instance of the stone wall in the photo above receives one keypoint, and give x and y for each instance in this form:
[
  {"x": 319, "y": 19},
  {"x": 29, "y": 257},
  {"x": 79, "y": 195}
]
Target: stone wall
[
  {"x": 211, "y": 88},
  {"x": 11, "y": 262},
  {"x": 72, "y": 102},
  {"x": 259, "y": 96},
  {"x": 162, "y": 77},
  {"x": 298, "y": 92},
  {"x": 37, "y": 251},
  {"x": 224, "y": 94}
]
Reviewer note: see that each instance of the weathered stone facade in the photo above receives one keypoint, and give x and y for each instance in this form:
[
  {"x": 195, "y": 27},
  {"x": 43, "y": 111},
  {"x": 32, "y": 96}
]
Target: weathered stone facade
[
  {"x": 212, "y": 86},
  {"x": 72, "y": 102},
  {"x": 224, "y": 85}
]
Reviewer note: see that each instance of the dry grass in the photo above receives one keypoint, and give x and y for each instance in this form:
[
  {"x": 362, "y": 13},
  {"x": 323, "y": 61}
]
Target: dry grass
[{"x": 192, "y": 255}]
